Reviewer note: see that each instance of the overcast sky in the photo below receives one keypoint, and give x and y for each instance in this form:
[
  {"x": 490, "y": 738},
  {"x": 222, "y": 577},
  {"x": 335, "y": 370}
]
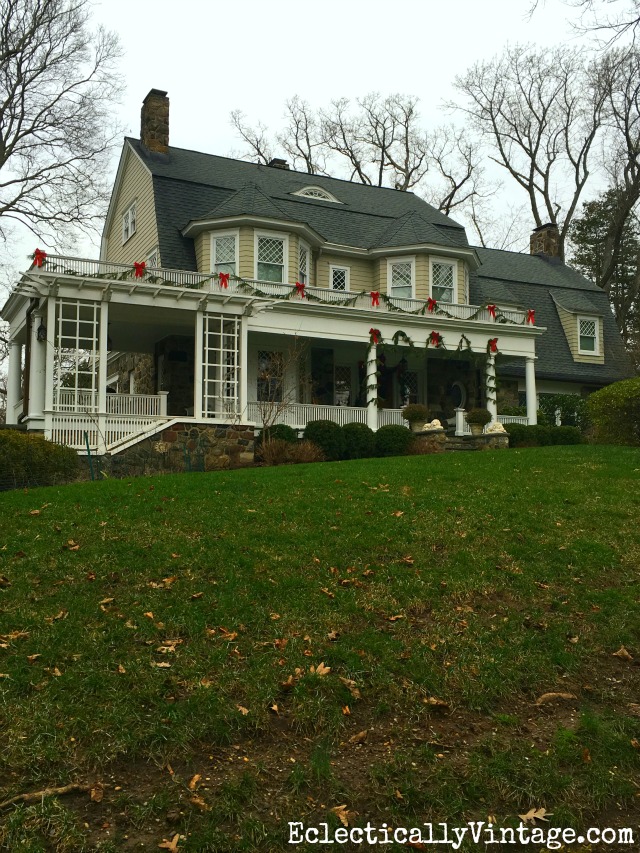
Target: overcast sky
[{"x": 213, "y": 57}]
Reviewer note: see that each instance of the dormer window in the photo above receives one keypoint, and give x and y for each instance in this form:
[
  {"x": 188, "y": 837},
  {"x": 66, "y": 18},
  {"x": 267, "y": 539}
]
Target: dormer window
[
  {"x": 588, "y": 338},
  {"x": 317, "y": 192},
  {"x": 129, "y": 223}
]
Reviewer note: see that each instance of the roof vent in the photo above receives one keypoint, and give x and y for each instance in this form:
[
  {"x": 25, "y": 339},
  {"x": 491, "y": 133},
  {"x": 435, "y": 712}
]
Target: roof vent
[{"x": 277, "y": 163}]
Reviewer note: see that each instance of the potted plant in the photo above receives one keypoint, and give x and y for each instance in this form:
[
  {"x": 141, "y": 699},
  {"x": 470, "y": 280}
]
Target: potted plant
[
  {"x": 417, "y": 415},
  {"x": 477, "y": 420}
]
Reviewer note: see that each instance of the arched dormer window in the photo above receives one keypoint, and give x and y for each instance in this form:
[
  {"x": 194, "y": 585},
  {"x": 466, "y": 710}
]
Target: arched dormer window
[{"x": 317, "y": 192}]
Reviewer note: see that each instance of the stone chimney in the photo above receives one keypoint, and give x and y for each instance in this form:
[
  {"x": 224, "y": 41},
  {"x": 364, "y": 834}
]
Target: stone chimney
[
  {"x": 154, "y": 122},
  {"x": 545, "y": 240},
  {"x": 278, "y": 163}
]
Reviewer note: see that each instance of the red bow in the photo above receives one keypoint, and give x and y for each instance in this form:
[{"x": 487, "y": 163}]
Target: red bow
[
  {"x": 375, "y": 335},
  {"x": 492, "y": 311},
  {"x": 531, "y": 316},
  {"x": 224, "y": 279},
  {"x": 431, "y": 305},
  {"x": 375, "y": 298},
  {"x": 39, "y": 257},
  {"x": 493, "y": 345},
  {"x": 435, "y": 339},
  {"x": 139, "y": 268},
  {"x": 300, "y": 289}
]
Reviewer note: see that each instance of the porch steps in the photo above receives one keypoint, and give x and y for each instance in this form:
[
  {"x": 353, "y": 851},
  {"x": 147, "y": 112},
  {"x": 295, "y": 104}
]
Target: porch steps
[{"x": 134, "y": 438}]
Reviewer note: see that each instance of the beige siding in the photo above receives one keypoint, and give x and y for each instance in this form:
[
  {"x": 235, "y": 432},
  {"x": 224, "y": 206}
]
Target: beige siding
[
  {"x": 246, "y": 253},
  {"x": 361, "y": 272},
  {"x": 136, "y": 186},
  {"x": 202, "y": 245},
  {"x": 422, "y": 277},
  {"x": 570, "y": 325},
  {"x": 460, "y": 297}
]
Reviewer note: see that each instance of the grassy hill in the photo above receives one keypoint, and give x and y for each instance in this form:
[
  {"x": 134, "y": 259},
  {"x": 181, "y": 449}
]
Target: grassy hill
[{"x": 211, "y": 656}]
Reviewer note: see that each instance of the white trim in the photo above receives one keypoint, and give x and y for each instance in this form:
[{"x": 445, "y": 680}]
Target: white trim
[
  {"x": 127, "y": 150},
  {"x": 155, "y": 251},
  {"x": 408, "y": 259},
  {"x": 347, "y": 278},
  {"x": 234, "y": 232},
  {"x": 277, "y": 235},
  {"x": 303, "y": 246},
  {"x": 453, "y": 262},
  {"x": 596, "y": 321},
  {"x": 127, "y": 213},
  {"x": 325, "y": 195}
]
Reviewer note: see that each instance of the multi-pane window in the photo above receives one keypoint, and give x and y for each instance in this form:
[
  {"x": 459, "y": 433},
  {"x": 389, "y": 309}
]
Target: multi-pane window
[
  {"x": 153, "y": 259},
  {"x": 75, "y": 356},
  {"x": 270, "y": 266},
  {"x": 408, "y": 387},
  {"x": 270, "y": 377},
  {"x": 129, "y": 223},
  {"x": 342, "y": 384},
  {"x": 588, "y": 335},
  {"x": 223, "y": 254},
  {"x": 401, "y": 279},
  {"x": 304, "y": 263},
  {"x": 443, "y": 281},
  {"x": 339, "y": 278}
]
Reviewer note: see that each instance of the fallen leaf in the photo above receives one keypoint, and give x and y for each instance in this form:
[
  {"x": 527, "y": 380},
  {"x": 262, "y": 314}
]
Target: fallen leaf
[
  {"x": 327, "y": 592},
  {"x": 343, "y": 814},
  {"x": 622, "y": 653},
  {"x": 408, "y": 560},
  {"x": 321, "y": 670},
  {"x": 170, "y": 845},
  {"x": 199, "y": 803},
  {"x": 244, "y": 711},
  {"x": 34, "y": 512},
  {"x": 395, "y": 618},
  {"x": 398, "y": 795},
  {"x": 586, "y": 755},
  {"x": 121, "y": 669},
  {"x": 274, "y": 616},
  {"x": 551, "y": 697},
  {"x": 149, "y": 614},
  {"x": 535, "y": 814},
  {"x": 635, "y": 743},
  {"x": 360, "y": 737},
  {"x": 61, "y": 615},
  {"x": 4, "y": 581},
  {"x": 351, "y": 686},
  {"x": 332, "y": 636},
  {"x": 71, "y": 545},
  {"x": 274, "y": 709},
  {"x": 33, "y": 658},
  {"x": 97, "y": 793},
  {"x": 281, "y": 643},
  {"x": 435, "y": 702},
  {"x": 634, "y": 709},
  {"x": 161, "y": 664},
  {"x": 397, "y": 513},
  {"x": 106, "y": 601},
  {"x": 196, "y": 595},
  {"x": 193, "y": 782},
  {"x": 346, "y": 711}
]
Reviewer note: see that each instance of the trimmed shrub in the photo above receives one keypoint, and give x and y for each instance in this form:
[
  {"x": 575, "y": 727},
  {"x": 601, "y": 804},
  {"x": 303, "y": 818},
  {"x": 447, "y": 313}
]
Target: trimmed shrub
[
  {"x": 281, "y": 432},
  {"x": 478, "y": 416},
  {"x": 359, "y": 441},
  {"x": 28, "y": 459},
  {"x": 415, "y": 413},
  {"x": 328, "y": 436},
  {"x": 276, "y": 451},
  {"x": 393, "y": 440},
  {"x": 541, "y": 436},
  {"x": 615, "y": 413}
]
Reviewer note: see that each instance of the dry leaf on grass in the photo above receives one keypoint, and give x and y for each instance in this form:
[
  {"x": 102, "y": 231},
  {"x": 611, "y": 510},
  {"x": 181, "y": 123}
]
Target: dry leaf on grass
[
  {"x": 346, "y": 711},
  {"x": 360, "y": 737},
  {"x": 332, "y": 636},
  {"x": 343, "y": 814},
  {"x": 320, "y": 670},
  {"x": 434, "y": 702},
  {"x": 534, "y": 814},
  {"x": 351, "y": 687},
  {"x": 397, "y": 513},
  {"x": 327, "y": 592},
  {"x": 551, "y": 697},
  {"x": 193, "y": 782},
  {"x": 634, "y": 709},
  {"x": 121, "y": 669},
  {"x": 97, "y": 793},
  {"x": 395, "y": 618},
  {"x": 170, "y": 845},
  {"x": 244, "y": 711},
  {"x": 622, "y": 653},
  {"x": 197, "y": 801}
]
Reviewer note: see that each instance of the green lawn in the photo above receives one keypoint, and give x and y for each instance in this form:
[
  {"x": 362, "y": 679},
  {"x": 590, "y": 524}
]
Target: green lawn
[{"x": 152, "y": 630}]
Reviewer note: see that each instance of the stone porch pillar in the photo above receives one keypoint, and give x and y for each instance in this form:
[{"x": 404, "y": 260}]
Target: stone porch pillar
[
  {"x": 37, "y": 374},
  {"x": 530, "y": 388},
  {"x": 490, "y": 388},
  {"x": 14, "y": 380},
  {"x": 372, "y": 387}
]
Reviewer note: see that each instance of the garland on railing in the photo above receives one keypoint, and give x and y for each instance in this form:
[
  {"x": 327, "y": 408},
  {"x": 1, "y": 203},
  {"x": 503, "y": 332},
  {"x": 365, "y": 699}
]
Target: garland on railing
[{"x": 296, "y": 291}]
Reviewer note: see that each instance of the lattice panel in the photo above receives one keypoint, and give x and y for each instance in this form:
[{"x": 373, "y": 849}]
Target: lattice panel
[
  {"x": 339, "y": 279},
  {"x": 587, "y": 328},
  {"x": 75, "y": 360},
  {"x": 401, "y": 275},
  {"x": 270, "y": 250},
  {"x": 220, "y": 366},
  {"x": 442, "y": 282}
]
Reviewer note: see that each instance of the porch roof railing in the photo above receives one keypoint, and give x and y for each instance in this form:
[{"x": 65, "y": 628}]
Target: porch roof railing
[{"x": 85, "y": 267}]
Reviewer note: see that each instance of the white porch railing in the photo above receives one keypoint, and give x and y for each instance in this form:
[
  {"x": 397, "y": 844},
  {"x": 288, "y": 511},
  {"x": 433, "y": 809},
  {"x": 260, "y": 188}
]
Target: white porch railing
[
  {"x": 463, "y": 428},
  {"x": 390, "y": 416},
  {"x": 299, "y": 414},
  {"x": 140, "y": 405},
  {"x": 102, "y": 432},
  {"x": 65, "y": 264}
]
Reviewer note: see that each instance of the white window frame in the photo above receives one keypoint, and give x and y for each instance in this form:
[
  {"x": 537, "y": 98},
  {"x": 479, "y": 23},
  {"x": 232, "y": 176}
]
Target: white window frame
[
  {"x": 277, "y": 235},
  {"x": 347, "y": 277},
  {"x": 235, "y": 233},
  {"x": 452, "y": 262},
  {"x": 127, "y": 230},
  {"x": 596, "y": 321},
  {"x": 304, "y": 247},
  {"x": 155, "y": 251},
  {"x": 405, "y": 260},
  {"x": 319, "y": 193}
]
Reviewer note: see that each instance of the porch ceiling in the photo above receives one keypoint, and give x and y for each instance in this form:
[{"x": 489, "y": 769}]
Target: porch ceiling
[{"x": 137, "y": 328}]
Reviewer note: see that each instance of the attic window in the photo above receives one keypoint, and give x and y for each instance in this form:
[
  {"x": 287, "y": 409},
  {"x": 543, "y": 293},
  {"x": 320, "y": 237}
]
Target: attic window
[
  {"x": 588, "y": 339},
  {"x": 129, "y": 223},
  {"x": 317, "y": 192}
]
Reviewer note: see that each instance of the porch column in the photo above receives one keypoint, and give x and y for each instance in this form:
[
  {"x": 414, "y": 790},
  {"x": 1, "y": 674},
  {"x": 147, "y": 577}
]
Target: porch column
[
  {"x": 490, "y": 388},
  {"x": 14, "y": 380},
  {"x": 103, "y": 335},
  {"x": 49, "y": 366},
  {"x": 37, "y": 373},
  {"x": 197, "y": 365},
  {"x": 242, "y": 368},
  {"x": 372, "y": 387},
  {"x": 530, "y": 388}
]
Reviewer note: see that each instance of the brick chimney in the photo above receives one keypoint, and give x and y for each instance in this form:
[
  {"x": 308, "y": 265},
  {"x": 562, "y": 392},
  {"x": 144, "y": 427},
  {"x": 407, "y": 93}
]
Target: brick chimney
[
  {"x": 545, "y": 240},
  {"x": 154, "y": 122}
]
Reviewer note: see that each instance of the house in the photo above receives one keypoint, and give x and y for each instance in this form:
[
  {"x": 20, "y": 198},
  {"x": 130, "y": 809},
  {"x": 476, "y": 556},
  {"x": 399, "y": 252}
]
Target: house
[{"x": 224, "y": 287}]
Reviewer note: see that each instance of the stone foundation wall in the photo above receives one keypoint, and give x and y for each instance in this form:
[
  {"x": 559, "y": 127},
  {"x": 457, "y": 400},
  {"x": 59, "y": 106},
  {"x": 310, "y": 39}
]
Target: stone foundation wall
[{"x": 184, "y": 447}]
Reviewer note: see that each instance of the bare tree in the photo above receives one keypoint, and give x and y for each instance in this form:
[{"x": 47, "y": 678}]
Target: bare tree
[
  {"x": 58, "y": 83},
  {"x": 611, "y": 19},
  {"x": 540, "y": 113}
]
